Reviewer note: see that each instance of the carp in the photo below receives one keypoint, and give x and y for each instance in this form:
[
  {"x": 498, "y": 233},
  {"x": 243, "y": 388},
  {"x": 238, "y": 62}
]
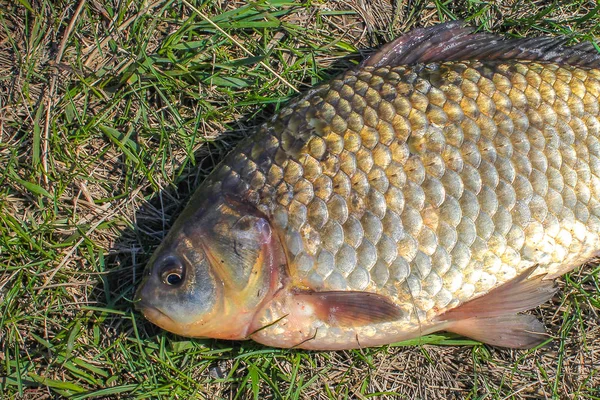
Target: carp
[{"x": 441, "y": 184}]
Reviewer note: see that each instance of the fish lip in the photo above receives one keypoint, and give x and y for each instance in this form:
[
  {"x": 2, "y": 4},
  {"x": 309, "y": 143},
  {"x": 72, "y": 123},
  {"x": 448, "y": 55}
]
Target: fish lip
[
  {"x": 150, "y": 312},
  {"x": 153, "y": 314},
  {"x": 157, "y": 317}
]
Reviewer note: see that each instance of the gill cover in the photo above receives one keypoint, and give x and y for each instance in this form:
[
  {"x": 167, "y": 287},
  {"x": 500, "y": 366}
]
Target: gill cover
[{"x": 213, "y": 272}]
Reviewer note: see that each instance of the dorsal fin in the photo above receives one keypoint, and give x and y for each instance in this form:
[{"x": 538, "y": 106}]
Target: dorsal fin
[{"x": 453, "y": 41}]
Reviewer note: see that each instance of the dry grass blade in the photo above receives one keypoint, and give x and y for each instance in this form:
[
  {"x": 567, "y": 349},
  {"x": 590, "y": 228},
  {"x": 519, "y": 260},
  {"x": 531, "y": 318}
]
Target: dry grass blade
[{"x": 51, "y": 91}]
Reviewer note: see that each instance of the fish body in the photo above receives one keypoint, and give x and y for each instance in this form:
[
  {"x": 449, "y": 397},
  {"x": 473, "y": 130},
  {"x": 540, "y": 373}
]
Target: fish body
[{"x": 440, "y": 185}]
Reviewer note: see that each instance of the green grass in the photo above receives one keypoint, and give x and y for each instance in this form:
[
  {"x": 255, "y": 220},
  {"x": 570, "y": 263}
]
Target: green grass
[{"x": 112, "y": 113}]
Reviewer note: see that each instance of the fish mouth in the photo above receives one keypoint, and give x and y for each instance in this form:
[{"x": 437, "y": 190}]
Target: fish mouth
[
  {"x": 152, "y": 313},
  {"x": 162, "y": 320}
]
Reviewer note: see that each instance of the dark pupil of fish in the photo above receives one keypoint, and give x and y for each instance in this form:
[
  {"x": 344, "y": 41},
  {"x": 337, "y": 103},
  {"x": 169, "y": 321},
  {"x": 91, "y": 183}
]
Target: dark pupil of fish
[
  {"x": 173, "y": 279},
  {"x": 172, "y": 274}
]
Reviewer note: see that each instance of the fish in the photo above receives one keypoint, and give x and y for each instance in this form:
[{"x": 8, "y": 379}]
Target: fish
[{"x": 442, "y": 184}]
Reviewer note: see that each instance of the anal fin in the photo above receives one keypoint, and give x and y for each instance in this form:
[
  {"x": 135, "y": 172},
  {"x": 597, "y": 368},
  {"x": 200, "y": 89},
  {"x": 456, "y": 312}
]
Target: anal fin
[
  {"x": 353, "y": 308},
  {"x": 519, "y": 331},
  {"x": 493, "y": 319}
]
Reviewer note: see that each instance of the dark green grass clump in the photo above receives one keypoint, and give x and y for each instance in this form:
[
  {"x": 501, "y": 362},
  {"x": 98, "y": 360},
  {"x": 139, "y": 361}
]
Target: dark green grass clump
[{"x": 112, "y": 112}]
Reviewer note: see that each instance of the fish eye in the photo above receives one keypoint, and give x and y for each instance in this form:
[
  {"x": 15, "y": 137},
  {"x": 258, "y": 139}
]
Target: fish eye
[{"x": 172, "y": 272}]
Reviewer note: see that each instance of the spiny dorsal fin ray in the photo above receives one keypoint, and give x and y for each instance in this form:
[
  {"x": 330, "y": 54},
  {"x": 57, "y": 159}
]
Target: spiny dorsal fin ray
[{"x": 453, "y": 41}]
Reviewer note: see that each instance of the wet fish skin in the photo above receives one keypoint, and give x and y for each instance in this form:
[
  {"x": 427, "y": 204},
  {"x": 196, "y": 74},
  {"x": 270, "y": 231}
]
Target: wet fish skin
[{"x": 416, "y": 193}]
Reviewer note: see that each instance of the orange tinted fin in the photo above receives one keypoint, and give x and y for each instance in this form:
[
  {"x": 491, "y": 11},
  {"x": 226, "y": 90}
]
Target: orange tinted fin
[
  {"x": 349, "y": 308},
  {"x": 492, "y": 318},
  {"x": 514, "y": 331},
  {"x": 519, "y": 294}
]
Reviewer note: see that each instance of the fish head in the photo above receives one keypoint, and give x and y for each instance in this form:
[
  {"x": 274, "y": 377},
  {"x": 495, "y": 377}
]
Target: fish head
[{"x": 212, "y": 272}]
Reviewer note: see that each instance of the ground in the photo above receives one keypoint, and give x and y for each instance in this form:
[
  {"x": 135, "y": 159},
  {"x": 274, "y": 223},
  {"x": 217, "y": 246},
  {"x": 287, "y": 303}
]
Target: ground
[{"x": 112, "y": 112}]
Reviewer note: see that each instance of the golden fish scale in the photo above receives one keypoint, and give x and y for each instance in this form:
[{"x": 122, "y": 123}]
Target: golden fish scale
[{"x": 429, "y": 184}]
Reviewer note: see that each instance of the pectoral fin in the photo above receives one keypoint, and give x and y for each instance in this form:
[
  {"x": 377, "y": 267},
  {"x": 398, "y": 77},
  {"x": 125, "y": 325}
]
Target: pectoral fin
[
  {"x": 339, "y": 308},
  {"x": 493, "y": 319}
]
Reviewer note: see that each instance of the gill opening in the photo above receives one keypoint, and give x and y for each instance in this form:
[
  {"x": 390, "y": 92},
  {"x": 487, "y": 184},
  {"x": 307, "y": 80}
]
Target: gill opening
[{"x": 279, "y": 280}]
